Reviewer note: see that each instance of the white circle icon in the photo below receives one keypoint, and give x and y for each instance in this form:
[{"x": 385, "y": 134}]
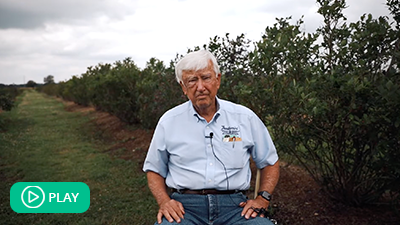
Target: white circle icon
[{"x": 32, "y": 197}]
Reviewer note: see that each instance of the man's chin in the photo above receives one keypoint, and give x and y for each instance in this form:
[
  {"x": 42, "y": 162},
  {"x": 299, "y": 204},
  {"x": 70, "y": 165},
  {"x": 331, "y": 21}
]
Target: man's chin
[{"x": 202, "y": 104}]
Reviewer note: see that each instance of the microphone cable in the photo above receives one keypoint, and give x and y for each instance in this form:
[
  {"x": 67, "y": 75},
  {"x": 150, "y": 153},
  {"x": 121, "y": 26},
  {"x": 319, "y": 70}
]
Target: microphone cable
[
  {"x": 212, "y": 149},
  {"x": 226, "y": 173}
]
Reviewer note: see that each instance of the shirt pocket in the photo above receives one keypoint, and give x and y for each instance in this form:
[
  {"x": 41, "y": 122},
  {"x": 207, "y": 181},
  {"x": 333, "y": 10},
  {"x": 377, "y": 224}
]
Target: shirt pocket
[{"x": 233, "y": 155}]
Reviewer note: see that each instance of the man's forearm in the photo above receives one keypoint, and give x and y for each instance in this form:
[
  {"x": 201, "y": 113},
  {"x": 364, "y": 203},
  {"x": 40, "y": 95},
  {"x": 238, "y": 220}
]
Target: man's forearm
[
  {"x": 269, "y": 177},
  {"x": 157, "y": 187}
]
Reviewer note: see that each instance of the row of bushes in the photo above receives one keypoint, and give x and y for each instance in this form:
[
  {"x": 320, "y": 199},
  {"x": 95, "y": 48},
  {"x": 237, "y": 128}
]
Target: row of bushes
[
  {"x": 7, "y": 96},
  {"x": 7, "y": 100},
  {"x": 332, "y": 97},
  {"x": 122, "y": 89}
]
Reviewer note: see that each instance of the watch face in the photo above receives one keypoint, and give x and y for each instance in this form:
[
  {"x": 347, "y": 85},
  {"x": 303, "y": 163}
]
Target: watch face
[{"x": 265, "y": 195}]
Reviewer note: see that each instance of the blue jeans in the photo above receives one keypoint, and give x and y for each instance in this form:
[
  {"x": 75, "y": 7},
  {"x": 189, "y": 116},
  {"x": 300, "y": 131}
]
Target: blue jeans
[{"x": 214, "y": 210}]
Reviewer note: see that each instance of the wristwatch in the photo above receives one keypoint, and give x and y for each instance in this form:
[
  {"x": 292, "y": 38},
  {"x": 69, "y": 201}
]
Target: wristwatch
[{"x": 265, "y": 194}]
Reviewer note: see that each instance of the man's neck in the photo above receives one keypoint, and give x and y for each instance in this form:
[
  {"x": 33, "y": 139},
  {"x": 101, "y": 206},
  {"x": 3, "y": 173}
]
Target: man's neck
[{"x": 208, "y": 112}]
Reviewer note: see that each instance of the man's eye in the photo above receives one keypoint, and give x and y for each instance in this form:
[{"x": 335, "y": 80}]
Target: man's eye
[{"x": 207, "y": 78}]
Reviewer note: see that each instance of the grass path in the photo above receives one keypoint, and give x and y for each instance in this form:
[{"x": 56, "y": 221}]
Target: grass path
[{"x": 45, "y": 143}]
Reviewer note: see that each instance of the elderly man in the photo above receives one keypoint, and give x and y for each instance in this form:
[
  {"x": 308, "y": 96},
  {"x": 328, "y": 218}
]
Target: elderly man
[{"x": 201, "y": 150}]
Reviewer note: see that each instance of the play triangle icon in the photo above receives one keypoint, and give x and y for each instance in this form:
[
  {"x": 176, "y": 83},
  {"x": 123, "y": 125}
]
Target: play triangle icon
[{"x": 29, "y": 196}]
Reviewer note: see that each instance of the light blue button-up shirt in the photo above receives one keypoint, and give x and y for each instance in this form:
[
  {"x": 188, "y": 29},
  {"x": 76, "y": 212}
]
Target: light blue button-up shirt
[{"x": 183, "y": 152}]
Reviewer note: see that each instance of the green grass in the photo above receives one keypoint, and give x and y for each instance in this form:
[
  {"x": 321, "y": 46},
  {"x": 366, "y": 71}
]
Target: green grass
[{"x": 44, "y": 143}]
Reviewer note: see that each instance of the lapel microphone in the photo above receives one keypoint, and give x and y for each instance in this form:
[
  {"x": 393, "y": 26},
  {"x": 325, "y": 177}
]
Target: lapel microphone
[{"x": 211, "y": 135}]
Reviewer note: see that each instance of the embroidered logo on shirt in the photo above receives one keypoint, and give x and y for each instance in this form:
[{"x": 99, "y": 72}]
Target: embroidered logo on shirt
[{"x": 230, "y": 134}]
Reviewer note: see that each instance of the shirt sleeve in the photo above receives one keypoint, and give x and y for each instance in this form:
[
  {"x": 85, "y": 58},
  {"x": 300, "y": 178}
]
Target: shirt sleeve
[
  {"x": 264, "y": 151},
  {"x": 157, "y": 155}
]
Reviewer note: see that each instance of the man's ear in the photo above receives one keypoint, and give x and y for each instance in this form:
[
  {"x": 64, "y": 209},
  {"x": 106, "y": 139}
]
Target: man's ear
[
  {"x": 183, "y": 87},
  {"x": 219, "y": 79}
]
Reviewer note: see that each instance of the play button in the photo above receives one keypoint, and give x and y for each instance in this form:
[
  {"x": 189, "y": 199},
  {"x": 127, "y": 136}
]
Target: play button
[
  {"x": 49, "y": 197},
  {"x": 29, "y": 197}
]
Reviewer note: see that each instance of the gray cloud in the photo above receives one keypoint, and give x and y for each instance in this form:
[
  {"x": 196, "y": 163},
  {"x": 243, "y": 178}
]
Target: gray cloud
[
  {"x": 64, "y": 37},
  {"x": 288, "y": 7},
  {"x": 33, "y": 14},
  {"x": 356, "y": 9},
  {"x": 17, "y": 19},
  {"x": 312, "y": 19}
]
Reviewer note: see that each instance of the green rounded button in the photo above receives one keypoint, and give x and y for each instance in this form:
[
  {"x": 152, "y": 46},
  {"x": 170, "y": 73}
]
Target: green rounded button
[{"x": 50, "y": 197}]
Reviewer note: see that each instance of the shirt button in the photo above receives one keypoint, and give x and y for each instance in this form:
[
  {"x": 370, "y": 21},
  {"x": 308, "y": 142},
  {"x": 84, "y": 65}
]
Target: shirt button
[
  {"x": 209, "y": 180},
  {"x": 208, "y": 127},
  {"x": 211, "y": 164},
  {"x": 209, "y": 146}
]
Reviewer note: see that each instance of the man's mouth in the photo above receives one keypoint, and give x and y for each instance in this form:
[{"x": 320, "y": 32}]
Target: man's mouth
[{"x": 201, "y": 96}]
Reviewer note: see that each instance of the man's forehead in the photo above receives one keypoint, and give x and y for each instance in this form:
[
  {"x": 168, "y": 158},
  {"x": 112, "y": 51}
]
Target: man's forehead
[
  {"x": 208, "y": 69},
  {"x": 203, "y": 71}
]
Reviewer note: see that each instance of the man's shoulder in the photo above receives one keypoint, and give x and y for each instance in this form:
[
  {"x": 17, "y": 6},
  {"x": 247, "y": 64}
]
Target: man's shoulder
[
  {"x": 175, "y": 112},
  {"x": 235, "y": 108}
]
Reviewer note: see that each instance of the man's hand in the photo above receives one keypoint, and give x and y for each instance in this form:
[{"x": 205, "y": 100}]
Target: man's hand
[
  {"x": 172, "y": 210},
  {"x": 251, "y": 206},
  {"x": 269, "y": 176}
]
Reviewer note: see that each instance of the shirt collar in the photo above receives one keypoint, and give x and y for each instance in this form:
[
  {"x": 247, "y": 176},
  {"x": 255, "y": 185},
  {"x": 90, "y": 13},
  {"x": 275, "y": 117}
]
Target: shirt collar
[{"x": 197, "y": 117}]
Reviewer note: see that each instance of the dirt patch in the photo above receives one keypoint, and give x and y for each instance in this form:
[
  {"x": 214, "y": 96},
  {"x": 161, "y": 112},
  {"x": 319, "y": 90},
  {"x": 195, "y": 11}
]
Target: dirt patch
[
  {"x": 128, "y": 142},
  {"x": 72, "y": 107},
  {"x": 297, "y": 199},
  {"x": 300, "y": 200}
]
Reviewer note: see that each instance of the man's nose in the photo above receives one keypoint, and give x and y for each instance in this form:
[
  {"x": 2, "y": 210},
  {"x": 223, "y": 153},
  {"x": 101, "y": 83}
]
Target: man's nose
[{"x": 200, "y": 85}]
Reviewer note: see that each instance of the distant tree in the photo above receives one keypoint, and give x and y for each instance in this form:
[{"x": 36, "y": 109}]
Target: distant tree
[
  {"x": 31, "y": 83},
  {"x": 49, "y": 79}
]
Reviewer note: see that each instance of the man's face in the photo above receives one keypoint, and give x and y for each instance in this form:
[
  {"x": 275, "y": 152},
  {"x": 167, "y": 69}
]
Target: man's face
[{"x": 201, "y": 86}]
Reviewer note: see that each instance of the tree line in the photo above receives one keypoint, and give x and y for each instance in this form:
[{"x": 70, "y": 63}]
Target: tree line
[{"x": 331, "y": 98}]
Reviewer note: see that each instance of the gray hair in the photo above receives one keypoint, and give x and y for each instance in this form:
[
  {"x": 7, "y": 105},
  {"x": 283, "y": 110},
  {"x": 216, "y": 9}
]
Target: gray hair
[{"x": 196, "y": 60}]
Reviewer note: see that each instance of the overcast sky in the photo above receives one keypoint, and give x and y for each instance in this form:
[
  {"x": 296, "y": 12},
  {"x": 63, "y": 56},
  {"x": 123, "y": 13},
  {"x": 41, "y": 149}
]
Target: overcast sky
[{"x": 64, "y": 37}]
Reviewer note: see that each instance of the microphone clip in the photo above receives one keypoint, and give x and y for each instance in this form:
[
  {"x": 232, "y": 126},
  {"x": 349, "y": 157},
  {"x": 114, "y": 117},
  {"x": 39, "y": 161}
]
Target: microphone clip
[{"x": 211, "y": 135}]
